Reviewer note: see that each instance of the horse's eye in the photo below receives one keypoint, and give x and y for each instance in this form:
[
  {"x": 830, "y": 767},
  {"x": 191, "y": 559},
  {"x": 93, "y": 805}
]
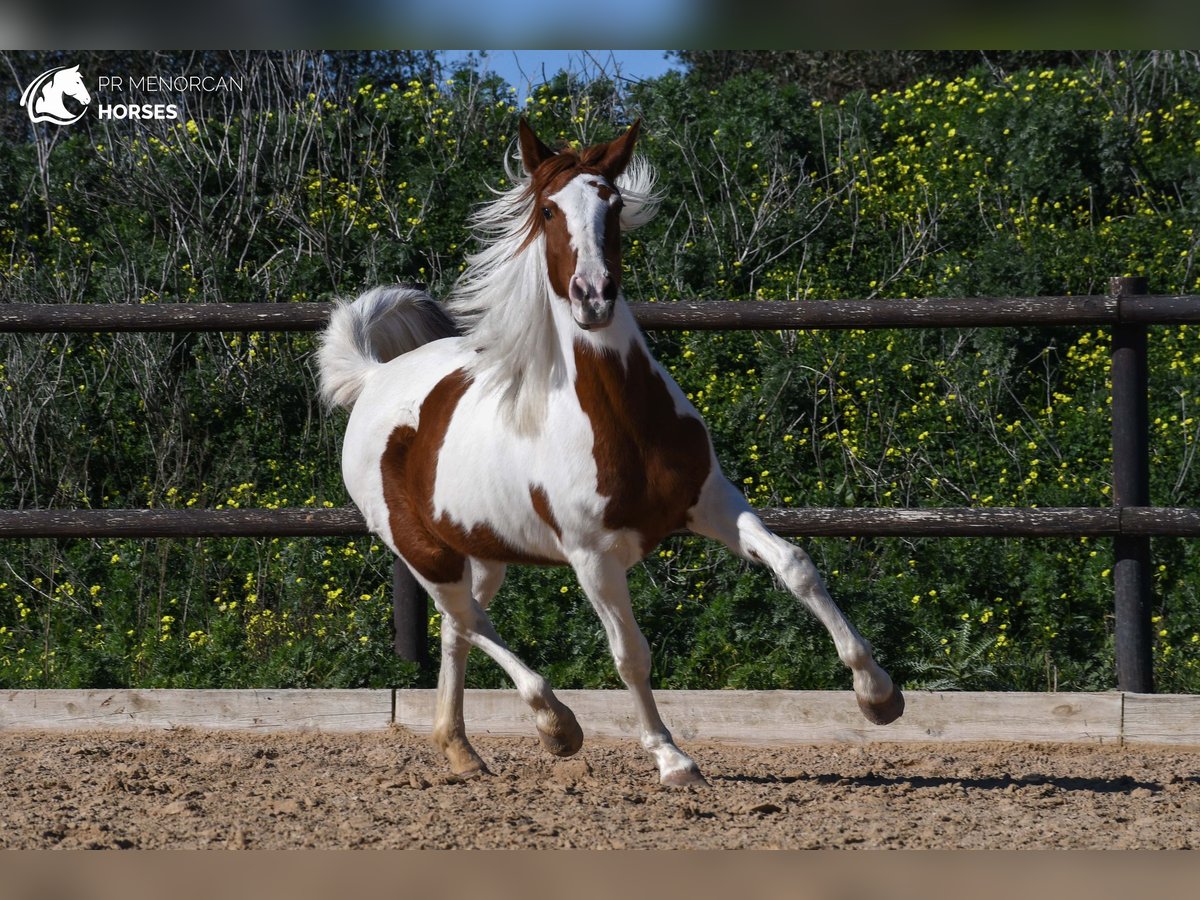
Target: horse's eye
[{"x": 547, "y": 212}]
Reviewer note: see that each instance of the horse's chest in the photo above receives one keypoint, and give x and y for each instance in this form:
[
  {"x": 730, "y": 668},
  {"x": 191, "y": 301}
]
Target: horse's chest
[{"x": 651, "y": 460}]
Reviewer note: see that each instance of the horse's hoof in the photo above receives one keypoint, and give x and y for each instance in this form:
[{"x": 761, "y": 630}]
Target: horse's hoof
[
  {"x": 559, "y": 731},
  {"x": 470, "y": 773},
  {"x": 884, "y": 712},
  {"x": 464, "y": 761},
  {"x": 468, "y": 767},
  {"x": 689, "y": 777}
]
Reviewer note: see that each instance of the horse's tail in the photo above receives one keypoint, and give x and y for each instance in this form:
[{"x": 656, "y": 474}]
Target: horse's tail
[{"x": 380, "y": 325}]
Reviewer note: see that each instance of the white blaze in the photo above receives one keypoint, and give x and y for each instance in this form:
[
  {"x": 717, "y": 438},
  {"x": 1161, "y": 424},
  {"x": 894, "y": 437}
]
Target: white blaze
[{"x": 585, "y": 211}]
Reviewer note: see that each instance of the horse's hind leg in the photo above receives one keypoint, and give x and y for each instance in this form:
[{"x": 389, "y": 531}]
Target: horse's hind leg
[
  {"x": 449, "y": 729},
  {"x": 463, "y": 619},
  {"x": 723, "y": 513},
  {"x": 603, "y": 579}
]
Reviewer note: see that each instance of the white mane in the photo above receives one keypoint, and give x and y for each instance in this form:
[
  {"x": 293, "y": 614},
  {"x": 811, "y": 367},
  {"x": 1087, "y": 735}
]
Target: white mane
[{"x": 502, "y": 301}]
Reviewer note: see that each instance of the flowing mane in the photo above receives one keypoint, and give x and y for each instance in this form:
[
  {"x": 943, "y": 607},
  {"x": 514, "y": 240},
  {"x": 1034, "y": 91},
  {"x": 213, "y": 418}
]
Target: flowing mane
[{"x": 502, "y": 300}]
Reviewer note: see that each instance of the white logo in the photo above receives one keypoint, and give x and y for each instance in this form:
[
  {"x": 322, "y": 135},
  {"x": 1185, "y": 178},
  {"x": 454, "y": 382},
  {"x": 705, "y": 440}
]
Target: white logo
[{"x": 43, "y": 99}]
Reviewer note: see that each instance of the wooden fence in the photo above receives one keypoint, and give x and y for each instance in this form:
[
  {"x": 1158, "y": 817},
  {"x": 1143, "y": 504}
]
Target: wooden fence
[{"x": 1131, "y": 522}]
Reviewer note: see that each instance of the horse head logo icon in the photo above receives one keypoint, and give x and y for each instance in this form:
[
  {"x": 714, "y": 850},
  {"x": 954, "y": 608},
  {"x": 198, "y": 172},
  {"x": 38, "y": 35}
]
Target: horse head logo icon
[{"x": 43, "y": 98}]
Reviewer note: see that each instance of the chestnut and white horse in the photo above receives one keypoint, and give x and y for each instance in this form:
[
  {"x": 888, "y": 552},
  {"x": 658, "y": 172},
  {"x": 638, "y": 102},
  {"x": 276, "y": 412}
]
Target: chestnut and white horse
[{"x": 544, "y": 433}]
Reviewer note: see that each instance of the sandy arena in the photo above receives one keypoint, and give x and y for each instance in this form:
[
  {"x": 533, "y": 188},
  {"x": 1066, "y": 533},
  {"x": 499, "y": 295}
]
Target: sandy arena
[{"x": 389, "y": 789}]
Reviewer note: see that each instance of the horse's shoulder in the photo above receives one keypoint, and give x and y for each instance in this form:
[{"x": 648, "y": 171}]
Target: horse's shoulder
[{"x": 651, "y": 449}]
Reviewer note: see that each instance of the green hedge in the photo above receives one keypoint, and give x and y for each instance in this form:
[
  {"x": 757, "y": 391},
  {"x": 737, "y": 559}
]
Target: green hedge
[{"x": 1043, "y": 182}]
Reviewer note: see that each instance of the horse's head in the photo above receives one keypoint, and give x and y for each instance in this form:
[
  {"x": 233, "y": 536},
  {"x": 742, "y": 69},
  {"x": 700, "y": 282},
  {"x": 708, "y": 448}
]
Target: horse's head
[
  {"x": 70, "y": 82},
  {"x": 577, "y": 206}
]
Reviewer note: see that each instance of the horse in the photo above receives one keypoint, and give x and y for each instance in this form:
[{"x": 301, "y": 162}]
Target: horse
[
  {"x": 43, "y": 97},
  {"x": 525, "y": 421}
]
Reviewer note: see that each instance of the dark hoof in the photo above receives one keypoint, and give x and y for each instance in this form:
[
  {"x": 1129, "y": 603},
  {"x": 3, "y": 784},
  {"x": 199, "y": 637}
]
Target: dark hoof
[
  {"x": 560, "y": 732},
  {"x": 886, "y": 712}
]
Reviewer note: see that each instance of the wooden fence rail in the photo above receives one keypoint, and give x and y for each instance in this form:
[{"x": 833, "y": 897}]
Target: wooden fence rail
[
  {"x": 1127, "y": 309},
  {"x": 806, "y": 522},
  {"x": 706, "y": 315}
]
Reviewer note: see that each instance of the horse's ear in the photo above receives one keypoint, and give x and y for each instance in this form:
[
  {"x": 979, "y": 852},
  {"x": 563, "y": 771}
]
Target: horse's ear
[
  {"x": 618, "y": 152},
  {"x": 533, "y": 151}
]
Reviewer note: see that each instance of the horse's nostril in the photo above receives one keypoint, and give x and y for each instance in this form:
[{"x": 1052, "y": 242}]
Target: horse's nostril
[
  {"x": 608, "y": 288},
  {"x": 578, "y": 289}
]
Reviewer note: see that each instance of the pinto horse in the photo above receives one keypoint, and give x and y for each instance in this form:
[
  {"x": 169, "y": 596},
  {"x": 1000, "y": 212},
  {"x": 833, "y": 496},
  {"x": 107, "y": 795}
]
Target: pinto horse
[{"x": 544, "y": 433}]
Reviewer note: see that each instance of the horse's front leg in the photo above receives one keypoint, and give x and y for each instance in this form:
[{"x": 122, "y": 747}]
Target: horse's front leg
[
  {"x": 724, "y": 514},
  {"x": 602, "y": 578}
]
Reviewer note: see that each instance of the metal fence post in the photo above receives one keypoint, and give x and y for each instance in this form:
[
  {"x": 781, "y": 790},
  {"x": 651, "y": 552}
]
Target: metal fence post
[
  {"x": 1131, "y": 487},
  {"x": 410, "y": 615}
]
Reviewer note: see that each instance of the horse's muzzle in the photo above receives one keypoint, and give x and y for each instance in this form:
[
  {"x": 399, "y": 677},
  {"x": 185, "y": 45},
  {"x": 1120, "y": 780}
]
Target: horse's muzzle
[
  {"x": 592, "y": 305},
  {"x": 589, "y": 318}
]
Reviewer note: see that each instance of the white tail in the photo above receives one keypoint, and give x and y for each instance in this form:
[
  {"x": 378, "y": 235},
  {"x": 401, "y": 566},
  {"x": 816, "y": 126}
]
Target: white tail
[{"x": 380, "y": 325}]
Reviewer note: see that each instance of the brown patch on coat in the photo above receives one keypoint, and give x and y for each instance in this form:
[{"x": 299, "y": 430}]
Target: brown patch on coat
[
  {"x": 612, "y": 251},
  {"x": 605, "y": 190},
  {"x": 651, "y": 462},
  {"x": 561, "y": 258},
  {"x": 541, "y": 506},
  {"x": 482, "y": 542},
  {"x": 436, "y": 548}
]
